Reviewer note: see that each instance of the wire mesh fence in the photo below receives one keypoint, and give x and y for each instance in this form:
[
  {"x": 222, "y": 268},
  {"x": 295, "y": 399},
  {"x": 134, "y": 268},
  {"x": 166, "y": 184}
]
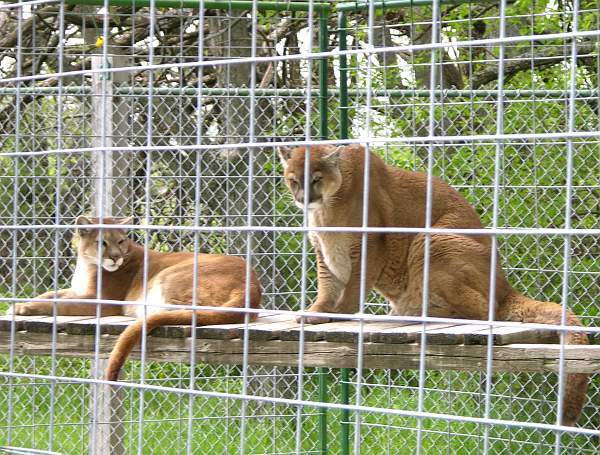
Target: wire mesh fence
[{"x": 172, "y": 111}]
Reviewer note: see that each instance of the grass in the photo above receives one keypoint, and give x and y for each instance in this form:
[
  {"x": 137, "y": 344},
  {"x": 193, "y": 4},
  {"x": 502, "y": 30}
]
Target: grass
[{"x": 216, "y": 424}]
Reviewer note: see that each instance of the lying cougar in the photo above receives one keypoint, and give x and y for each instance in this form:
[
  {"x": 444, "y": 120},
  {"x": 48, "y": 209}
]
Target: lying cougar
[{"x": 220, "y": 283}]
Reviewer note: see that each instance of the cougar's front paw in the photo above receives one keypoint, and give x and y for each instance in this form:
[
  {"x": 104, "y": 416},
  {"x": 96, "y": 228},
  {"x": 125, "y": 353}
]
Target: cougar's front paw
[
  {"x": 316, "y": 308},
  {"x": 23, "y": 309},
  {"x": 27, "y": 309}
]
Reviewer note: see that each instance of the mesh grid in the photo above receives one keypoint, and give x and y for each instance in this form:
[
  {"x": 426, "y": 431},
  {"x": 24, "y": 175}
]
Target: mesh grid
[{"x": 189, "y": 132}]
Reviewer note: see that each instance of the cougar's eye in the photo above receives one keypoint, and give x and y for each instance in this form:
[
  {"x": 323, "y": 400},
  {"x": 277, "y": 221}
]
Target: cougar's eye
[
  {"x": 316, "y": 179},
  {"x": 104, "y": 244},
  {"x": 121, "y": 241}
]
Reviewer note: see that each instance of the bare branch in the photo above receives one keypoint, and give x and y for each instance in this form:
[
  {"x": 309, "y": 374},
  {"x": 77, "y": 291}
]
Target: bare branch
[{"x": 539, "y": 59}]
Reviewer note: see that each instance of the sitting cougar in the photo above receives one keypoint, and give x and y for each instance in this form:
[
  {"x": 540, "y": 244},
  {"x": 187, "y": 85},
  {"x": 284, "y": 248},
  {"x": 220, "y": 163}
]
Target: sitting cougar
[{"x": 459, "y": 265}]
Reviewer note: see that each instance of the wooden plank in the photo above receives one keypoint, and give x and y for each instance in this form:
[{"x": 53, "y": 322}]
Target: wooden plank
[
  {"x": 269, "y": 326},
  {"x": 269, "y": 331},
  {"x": 312, "y": 332},
  {"x": 231, "y": 331},
  {"x": 512, "y": 358},
  {"x": 511, "y": 335},
  {"x": 452, "y": 357},
  {"x": 405, "y": 334},
  {"x": 172, "y": 331},
  {"x": 115, "y": 325},
  {"x": 220, "y": 332},
  {"x": 348, "y": 332},
  {"x": 45, "y": 324},
  {"x": 340, "y": 331},
  {"x": 451, "y": 335},
  {"x": 112, "y": 325},
  {"x": 6, "y": 321}
]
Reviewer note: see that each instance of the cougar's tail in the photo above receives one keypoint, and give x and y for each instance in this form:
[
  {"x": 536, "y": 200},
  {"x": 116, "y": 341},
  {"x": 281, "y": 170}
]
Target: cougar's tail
[
  {"x": 517, "y": 307},
  {"x": 133, "y": 333}
]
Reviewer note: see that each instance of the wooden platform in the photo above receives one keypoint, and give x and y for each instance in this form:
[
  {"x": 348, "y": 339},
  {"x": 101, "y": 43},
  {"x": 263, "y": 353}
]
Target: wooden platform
[{"x": 274, "y": 340}]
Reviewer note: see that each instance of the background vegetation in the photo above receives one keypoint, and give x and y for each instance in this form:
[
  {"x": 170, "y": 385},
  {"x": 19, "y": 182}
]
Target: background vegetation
[{"x": 55, "y": 113}]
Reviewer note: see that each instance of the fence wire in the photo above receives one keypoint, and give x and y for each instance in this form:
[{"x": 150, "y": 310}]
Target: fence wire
[{"x": 172, "y": 111}]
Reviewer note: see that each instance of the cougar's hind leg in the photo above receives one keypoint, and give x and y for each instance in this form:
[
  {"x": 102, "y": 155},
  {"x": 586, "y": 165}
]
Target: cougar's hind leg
[{"x": 459, "y": 281}]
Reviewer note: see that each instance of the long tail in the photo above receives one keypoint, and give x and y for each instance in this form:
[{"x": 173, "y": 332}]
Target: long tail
[
  {"x": 517, "y": 307},
  {"x": 133, "y": 333}
]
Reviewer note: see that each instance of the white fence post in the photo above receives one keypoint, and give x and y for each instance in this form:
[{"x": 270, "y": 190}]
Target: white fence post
[
  {"x": 108, "y": 425},
  {"x": 112, "y": 191},
  {"x": 102, "y": 115}
]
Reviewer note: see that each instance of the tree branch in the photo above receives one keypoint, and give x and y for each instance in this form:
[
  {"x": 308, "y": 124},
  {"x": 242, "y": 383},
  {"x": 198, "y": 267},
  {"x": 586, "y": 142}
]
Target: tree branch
[{"x": 539, "y": 59}]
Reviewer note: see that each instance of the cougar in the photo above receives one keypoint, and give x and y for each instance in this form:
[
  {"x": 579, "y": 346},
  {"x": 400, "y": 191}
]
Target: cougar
[
  {"x": 220, "y": 283},
  {"x": 459, "y": 265}
]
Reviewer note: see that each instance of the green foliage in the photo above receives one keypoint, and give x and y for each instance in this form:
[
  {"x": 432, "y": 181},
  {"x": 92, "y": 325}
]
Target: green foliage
[
  {"x": 271, "y": 428},
  {"x": 532, "y": 193}
]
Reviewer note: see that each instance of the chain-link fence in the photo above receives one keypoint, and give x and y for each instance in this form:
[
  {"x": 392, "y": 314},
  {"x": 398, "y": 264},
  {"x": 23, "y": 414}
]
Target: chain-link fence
[{"x": 171, "y": 111}]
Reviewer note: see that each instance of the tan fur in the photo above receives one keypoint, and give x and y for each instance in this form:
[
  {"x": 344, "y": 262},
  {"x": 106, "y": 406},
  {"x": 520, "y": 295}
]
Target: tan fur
[
  {"x": 459, "y": 264},
  {"x": 220, "y": 283}
]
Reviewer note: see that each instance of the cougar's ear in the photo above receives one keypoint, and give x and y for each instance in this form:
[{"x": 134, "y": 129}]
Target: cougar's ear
[
  {"x": 81, "y": 222},
  {"x": 333, "y": 158},
  {"x": 285, "y": 153}
]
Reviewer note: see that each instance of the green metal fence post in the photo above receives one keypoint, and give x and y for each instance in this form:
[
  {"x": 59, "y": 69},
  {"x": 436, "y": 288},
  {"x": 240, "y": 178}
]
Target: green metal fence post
[
  {"x": 345, "y": 423},
  {"x": 323, "y": 132},
  {"x": 343, "y": 76},
  {"x": 323, "y": 102},
  {"x": 323, "y": 398},
  {"x": 344, "y": 125}
]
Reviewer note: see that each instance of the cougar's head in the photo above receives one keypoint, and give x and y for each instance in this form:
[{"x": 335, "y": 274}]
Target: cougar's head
[
  {"x": 113, "y": 244},
  {"x": 324, "y": 177}
]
